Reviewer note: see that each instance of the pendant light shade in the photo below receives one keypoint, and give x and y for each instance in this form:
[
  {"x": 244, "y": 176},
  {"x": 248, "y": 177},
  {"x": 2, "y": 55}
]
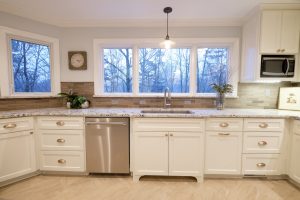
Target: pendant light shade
[{"x": 167, "y": 43}]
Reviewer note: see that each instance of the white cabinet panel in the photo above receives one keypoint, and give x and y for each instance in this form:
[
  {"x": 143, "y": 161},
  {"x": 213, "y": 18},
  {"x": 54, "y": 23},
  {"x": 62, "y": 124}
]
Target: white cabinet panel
[
  {"x": 261, "y": 164},
  {"x": 17, "y": 155},
  {"x": 61, "y": 123},
  {"x": 263, "y": 124},
  {"x": 151, "y": 153},
  {"x": 62, "y": 161},
  {"x": 16, "y": 124},
  {"x": 224, "y": 124},
  {"x": 262, "y": 142},
  {"x": 185, "y": 153},
  {"x": 295, "y": 158},
  {"x": 223, "y": 152}
]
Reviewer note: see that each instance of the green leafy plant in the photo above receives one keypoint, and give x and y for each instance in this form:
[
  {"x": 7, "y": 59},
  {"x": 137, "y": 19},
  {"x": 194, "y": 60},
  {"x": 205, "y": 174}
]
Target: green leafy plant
[
  {"x": 222, "y": 88},
  {"x": 75, "y": 100}
]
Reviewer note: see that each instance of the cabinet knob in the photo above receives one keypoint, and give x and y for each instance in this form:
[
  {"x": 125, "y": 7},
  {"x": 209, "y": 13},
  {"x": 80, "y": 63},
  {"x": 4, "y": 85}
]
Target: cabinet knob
[
  {"x": 262, "y": 143},
  {"x": 278, "y": 50},
  {"x": 171, "y": 134},
  {"x": 260, "y": 164},
  {"x": 263, "y": 125},
  {"x": 61, "y": 140},
  {"x": 223, "y": 134},
  {"x": 31, "y": 132},
  {"x": 224, "y": 124},
  {"x": 10, "y": 125},
  {"x": 62, "y": 161},
  {"x": 60, "y": 123},
  {"x": 282, "y": 50},
  {"x": 166, "y": 134}
]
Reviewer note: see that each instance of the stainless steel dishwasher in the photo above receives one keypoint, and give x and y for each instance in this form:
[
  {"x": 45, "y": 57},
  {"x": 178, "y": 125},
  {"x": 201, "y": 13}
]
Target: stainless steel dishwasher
[{"x": 107, "y": 145}]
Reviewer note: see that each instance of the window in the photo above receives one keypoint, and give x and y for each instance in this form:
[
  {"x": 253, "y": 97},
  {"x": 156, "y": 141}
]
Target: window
[
  {"x": 161, "y": 68},
  {"x": 145, "y": 69},
  {"x": 117, "y": 70},
  {"x": 212, "y": 67},
  {"x": 30, "y": 66}
]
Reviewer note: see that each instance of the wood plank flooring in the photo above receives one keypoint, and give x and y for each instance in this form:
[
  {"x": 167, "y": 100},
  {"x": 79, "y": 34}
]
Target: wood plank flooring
[{"x": 119, "y": 188}]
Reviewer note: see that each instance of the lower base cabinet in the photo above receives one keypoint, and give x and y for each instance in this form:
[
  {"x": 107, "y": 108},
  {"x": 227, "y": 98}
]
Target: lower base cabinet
[
  {"x": 168, "y": 153},
  {"x": 295, "y": 158},
  {"x": 261, "y": 164},
  {"x": 17, "y": 154}
]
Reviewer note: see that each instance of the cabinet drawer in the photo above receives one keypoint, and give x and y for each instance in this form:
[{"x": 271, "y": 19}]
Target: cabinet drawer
[
  {"x": 263, "y": 124},
  {"x": 16, "y": 124},
  {"x": 60, "y": 123},
  {"x": 261, "y": 164},
  {"x": 168, "y": 124},
  {"x": 262, "y": 142},
  {"x": 62, "y": 161},
  {"x": 296, "y": 127},
  {"x": 224, "y": 124},
  {"x": 61, "y": 139}
]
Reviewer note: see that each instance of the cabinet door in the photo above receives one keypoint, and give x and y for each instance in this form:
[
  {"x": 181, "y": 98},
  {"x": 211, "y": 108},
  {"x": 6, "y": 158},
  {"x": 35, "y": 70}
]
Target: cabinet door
[
  {"x": 223, "y": 152},
  {"x": 17, "y": 154},
  {"x": 186, "y": 153},
  {"x": 270, "y": 31},
  {"x": 151, "y": 153},
  {"x": 290, "y": 32},
  {"x": 295, "y": 160}
]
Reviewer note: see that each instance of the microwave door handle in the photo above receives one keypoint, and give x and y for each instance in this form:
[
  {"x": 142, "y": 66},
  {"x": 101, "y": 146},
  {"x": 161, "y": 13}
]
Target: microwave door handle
[{"x": 288, "y": 66}]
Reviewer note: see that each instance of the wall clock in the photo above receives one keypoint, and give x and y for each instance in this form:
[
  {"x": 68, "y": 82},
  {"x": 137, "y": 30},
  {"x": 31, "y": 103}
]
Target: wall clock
[{"x": 77, "y": 60}]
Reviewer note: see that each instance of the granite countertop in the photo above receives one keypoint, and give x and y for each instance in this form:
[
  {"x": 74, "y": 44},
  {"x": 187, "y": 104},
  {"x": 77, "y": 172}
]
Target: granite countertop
[{"x": 136, "y": 112}]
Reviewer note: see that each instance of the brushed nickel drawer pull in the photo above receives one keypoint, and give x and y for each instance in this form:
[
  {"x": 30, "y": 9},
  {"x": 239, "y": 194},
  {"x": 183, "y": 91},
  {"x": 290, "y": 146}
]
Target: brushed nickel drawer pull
[
  {"x": 263, "y": 125},
  {"x": 171, "y": 134},
  {"x": 61, "y": 140},
  {"x": 260, "y": 164},
  {"x": 62, "y": 161},
  {"x": 278, "y": 50},
  {"x": 31, "y": 132},
  {"x": 224, "y": 134},
  {"x": 166, "y": 134},
  {"x": 282, "y": 50},
  {"x": 60, "y": 123},
  {"x": 224, "y": 124},
  {"x": 10, "y": 125},
  {"x": 262, "y": 143}
]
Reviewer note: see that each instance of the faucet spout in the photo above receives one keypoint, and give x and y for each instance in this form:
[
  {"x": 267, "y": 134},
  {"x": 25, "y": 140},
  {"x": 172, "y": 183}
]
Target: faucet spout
[{"x": 167, "y": 98}]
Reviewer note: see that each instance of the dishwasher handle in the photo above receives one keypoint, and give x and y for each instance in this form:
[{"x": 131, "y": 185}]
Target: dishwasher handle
[{"x": 106, "y": 123}]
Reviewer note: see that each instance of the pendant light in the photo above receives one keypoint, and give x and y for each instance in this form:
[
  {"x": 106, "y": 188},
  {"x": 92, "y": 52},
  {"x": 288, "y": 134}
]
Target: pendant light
[{"x": 167, "y": 43}]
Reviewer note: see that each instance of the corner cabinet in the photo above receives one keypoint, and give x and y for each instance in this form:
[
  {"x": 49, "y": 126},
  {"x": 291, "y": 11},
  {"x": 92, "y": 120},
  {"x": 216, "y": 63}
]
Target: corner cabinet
[
  {"x": 17, "y": 148},
  {"x": 273, "y": 32},
  {"x": 168, "y": 147},
  {"x": 294, "y": 171}
]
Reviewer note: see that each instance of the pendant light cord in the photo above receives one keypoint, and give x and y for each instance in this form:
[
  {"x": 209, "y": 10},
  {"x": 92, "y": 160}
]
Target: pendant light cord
[{"x": 167, "y": 37}]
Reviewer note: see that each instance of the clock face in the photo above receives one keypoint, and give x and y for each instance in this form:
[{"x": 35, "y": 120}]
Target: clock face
[{"x": 77, "y": 60}]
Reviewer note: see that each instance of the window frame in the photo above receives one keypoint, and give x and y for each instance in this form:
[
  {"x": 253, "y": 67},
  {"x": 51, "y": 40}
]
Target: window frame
[
  {"x": 231, "y": 43},
  {"x": 6, "y": 72}
]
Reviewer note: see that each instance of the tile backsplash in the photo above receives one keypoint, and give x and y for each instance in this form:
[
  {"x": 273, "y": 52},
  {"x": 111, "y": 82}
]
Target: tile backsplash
[{"x": 251, "y": 95}]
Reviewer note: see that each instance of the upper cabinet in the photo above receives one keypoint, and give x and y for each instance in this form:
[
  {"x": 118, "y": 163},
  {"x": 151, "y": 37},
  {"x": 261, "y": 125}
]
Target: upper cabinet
[
  {"x": 279, "y": 32},
  {"x": 269, "y": 32}
]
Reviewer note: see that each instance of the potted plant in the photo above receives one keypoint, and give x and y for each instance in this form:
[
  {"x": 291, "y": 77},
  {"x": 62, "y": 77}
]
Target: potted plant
[
  {"x": 74, "y": 100},
  {"x": 221, "y": 90}
]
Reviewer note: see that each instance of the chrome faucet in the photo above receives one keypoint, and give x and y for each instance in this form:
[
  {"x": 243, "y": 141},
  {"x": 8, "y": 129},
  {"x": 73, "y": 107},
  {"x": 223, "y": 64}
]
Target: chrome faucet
[{"x": 167, "y": 98}]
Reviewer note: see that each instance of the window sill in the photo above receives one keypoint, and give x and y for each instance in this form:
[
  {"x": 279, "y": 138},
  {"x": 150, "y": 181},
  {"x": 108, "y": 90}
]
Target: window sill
[
  {"x": 161, "y": 96},
  {"x": 30, "y": 97}
]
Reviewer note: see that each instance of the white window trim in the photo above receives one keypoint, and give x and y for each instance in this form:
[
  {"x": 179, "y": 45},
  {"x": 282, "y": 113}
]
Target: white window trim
[
  {"x": 6, "y": 84},
  {"x": 193, "y": 43}
]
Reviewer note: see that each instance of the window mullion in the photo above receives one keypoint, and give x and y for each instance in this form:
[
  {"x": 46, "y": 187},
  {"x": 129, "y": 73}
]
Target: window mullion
[
  {"x": 193, "y": 71},
  {"x": 135, "y": 71}
]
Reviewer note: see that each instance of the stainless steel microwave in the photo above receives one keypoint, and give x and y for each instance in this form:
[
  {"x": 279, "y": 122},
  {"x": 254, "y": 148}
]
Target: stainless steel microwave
[{"x": 282, "y": 66}]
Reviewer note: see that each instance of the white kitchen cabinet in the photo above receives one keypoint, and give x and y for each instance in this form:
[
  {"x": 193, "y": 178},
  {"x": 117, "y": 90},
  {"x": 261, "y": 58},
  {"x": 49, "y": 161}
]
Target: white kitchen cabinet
[
  {"x": 273, "y": 32},
  {"x": 294, "y": 172},
  {"x": 223, "y": 151},
  {"x": 17, "y": 154},
  {"x": 280, "y": 32},
  {"x": 168, "y": 152},
  {"x": 62, "y": 143}
]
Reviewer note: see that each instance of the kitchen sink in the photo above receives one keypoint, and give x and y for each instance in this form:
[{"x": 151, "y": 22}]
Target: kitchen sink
[{"x": 167, "y": 111}]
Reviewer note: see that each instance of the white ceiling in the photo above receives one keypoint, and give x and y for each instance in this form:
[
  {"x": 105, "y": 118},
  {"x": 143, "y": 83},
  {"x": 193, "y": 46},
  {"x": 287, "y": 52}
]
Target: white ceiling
[{"x": 77, "y": 13}]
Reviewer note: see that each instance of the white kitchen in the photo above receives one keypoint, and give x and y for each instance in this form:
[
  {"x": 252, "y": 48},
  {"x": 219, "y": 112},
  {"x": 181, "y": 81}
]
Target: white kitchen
[{"x": 150, "y": 99}]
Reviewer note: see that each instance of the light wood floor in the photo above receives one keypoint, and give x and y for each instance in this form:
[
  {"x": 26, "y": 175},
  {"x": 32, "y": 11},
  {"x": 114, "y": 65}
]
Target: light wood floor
[{"x": 119, "y": 188}]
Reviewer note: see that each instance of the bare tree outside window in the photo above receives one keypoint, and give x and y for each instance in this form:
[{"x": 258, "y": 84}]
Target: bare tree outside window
[
  {"x": 31, "y": 66},
  {"x": 117, "y": 70},
  {"x": 161, "y": 68},
  {"x": 212, "y": 67}
]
